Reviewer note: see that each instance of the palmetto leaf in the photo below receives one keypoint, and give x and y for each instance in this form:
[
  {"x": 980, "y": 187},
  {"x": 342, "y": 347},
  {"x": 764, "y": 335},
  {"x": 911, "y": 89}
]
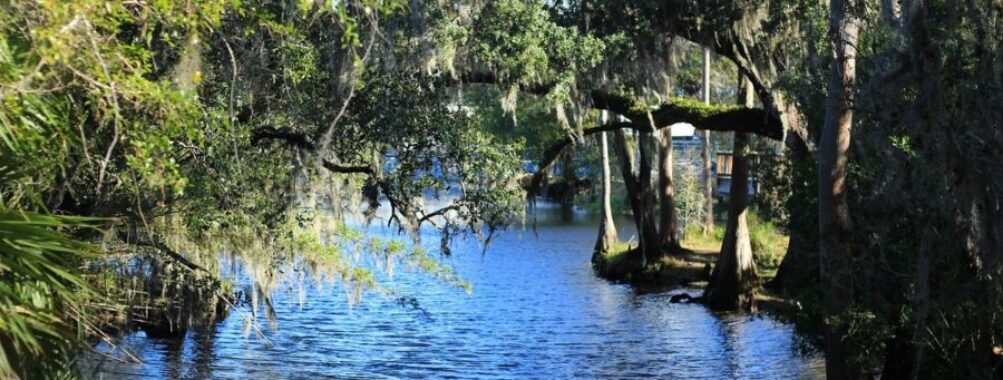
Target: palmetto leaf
[{"x": 42, "y": 294}]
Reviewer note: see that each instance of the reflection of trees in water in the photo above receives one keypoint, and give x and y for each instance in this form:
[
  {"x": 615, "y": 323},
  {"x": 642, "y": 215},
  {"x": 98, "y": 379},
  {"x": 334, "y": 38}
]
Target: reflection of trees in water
[
  {"x": 567, "y": 213},
  {"x": 173, "y": 355},
  {"x": 197, "y": 361},
  {"x": 732, "y": 344},
  {"x": 204, "y": 351},
  {"x": 748, "y": 349}
]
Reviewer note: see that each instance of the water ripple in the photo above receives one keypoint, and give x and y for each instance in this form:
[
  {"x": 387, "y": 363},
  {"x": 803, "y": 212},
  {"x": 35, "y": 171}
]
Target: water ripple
[{"x": 537, "y": 312}]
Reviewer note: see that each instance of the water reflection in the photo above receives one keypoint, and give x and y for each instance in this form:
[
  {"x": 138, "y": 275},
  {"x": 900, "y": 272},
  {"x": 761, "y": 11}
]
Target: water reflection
[{"x": 536, "y": 311}]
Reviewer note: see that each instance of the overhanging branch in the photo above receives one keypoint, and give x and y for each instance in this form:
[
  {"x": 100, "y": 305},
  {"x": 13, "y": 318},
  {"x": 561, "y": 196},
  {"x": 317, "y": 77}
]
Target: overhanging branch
[
  {"x": 440, "y": 212},
  {"x": 709, "y": 117},
  {"x": 348, "y": 169},
  {"x": 700, "y": 115},
  {"x": 553, "y": 152},
  {"x": 703, "y": 116},
  {"x": 299, "y": 140}
]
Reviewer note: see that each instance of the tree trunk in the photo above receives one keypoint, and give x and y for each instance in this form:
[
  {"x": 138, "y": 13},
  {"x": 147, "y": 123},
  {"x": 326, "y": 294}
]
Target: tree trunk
[
  {"x": 651, "y": 247},
  {"x": 800, "y": 263},
  {"x": 707, "y": 178},
  {"x": 607, "y": 229},
  {"x": 647, "y": 235},
  {"x": 733, "y": 280},
  {"x": 891, "y": 11},
  {"x": 667, "y": 191},
  {"x": 569, "y": 178},
  {"x": 833, "y": 213}
]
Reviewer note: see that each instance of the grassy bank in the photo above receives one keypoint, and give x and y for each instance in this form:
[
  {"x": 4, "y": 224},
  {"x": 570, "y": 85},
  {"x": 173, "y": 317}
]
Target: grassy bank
[
  {"x": 622, "y": 265},
  {"x": 769, "y": 244}
]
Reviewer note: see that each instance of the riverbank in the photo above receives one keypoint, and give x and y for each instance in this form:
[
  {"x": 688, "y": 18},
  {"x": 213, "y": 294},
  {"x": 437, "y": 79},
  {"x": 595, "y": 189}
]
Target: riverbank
[
  {"x": 623, "y": 265},
  {"x": 690, "y": 270},
  {"x": 700, "y": 250},
  {"x": 693, "y": 266}
]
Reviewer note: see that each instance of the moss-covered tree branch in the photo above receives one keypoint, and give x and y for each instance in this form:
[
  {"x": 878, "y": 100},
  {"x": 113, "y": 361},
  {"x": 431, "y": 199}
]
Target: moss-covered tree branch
[
  {"x": 680, "y": 110},
  {"x": 677, "y": 110}
]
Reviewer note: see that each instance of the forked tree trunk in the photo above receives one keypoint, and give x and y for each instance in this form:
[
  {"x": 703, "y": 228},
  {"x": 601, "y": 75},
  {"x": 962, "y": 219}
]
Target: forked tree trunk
[
  {"x": 708, "y": 180},
  {"x": 833, "y": 213},
  {"x": 646, "y": 233},
  {"x": 733, "y": 281}
]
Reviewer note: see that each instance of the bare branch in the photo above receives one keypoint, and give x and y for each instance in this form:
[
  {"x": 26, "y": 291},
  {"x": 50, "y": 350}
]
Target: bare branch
[
  {"x": 553, "y": 152},
  {"x": 440, "y": 212}
]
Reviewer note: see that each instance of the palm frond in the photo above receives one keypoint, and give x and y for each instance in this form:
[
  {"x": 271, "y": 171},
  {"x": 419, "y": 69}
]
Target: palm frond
[{"x": 43, "y": 295}]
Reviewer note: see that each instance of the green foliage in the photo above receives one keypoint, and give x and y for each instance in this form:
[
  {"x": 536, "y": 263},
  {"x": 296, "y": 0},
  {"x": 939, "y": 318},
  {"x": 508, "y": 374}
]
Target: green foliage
[
  {"x": 187, "y": 121},
  {"x": 133, "y": 110},
  {"x": 917, "y": 182},
  {"x": 537, "y": 128},
  {"x": 865, "y": 331},
  {"x": 99, "y": 97},
  {"x": 430, "y": 145},
  {"x": 46, "y": 304},
  {"x": 769, "y": 243},
  {"x": 518, "y": 41},
  {"x": 689, "y": 197}
]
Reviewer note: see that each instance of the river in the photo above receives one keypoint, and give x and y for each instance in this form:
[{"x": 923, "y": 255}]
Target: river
[{"x": 536, "y": 311}]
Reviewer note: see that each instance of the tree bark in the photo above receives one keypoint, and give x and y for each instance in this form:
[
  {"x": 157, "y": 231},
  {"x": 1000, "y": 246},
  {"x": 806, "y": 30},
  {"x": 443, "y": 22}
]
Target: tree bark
[
  {"x": 800, "y": 263},
  {"x": 650, "y": 247},
  {"x": 607, "y": 228},
  {"x": 834, "y": 217},
  {"x": 667, "y": 192},
  {"x": 708, "y": 180},
  {"x": 732, "y": 283}
]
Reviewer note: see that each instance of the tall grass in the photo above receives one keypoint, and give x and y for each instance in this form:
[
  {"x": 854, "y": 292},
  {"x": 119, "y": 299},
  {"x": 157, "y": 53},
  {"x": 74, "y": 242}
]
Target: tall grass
[{"x": 769, "y": 242}]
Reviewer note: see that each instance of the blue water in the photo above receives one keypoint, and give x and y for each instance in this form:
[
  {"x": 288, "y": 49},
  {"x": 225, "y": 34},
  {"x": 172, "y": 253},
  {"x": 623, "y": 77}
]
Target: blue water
[{"x": 536, "y": 311}]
